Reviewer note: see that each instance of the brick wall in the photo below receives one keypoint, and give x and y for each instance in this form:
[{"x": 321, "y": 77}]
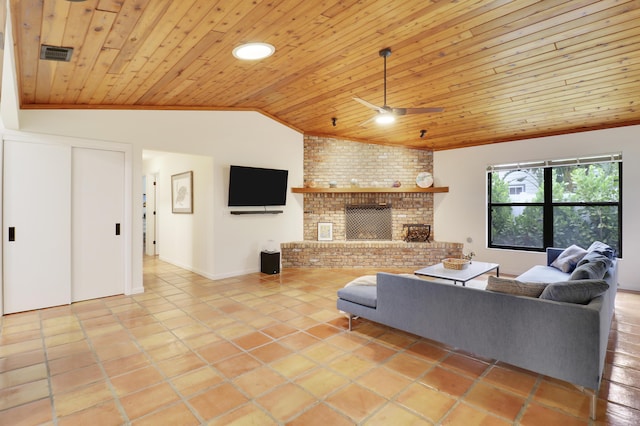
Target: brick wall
[
  {"x": 329, "y": 159},
  {"x": 352, "y": 254}
]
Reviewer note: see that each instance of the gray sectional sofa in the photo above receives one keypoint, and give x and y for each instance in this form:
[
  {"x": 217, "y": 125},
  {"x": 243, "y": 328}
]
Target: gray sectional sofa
[{"x": 564, "y": 340}]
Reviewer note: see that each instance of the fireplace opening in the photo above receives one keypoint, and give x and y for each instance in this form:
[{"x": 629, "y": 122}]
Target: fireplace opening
[{"x": 368, "y": 222}]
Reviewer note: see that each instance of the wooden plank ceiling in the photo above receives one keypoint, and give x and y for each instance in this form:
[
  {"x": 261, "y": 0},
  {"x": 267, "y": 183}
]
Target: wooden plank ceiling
[{"x": 502, "y": 70}]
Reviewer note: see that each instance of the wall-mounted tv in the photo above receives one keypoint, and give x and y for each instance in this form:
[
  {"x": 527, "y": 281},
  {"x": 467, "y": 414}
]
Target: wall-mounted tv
[{"x": 254, "y": 186}]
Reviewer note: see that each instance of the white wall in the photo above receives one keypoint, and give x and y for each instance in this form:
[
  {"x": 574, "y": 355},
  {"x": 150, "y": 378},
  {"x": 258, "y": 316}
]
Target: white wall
[
  {"x": 231, "y": 244},
  {"x": 461, "y": 213}
]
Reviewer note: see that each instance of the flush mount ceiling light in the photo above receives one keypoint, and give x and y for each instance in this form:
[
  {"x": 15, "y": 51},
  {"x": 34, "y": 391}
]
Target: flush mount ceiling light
[{"x": 253, "y": 51}]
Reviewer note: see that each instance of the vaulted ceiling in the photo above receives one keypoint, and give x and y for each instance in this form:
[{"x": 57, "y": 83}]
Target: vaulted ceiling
[{"x": 502, "y": 70}]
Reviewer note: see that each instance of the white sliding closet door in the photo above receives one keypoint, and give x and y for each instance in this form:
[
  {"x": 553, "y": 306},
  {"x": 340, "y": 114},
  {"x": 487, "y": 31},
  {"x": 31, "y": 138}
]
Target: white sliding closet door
[
  {"x": 97, "y": 224},
  {"x": 36, "y": 209}
]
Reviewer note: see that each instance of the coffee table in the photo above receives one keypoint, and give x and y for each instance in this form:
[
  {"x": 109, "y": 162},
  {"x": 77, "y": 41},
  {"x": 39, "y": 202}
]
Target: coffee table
[{"x": 475, "y": 269}]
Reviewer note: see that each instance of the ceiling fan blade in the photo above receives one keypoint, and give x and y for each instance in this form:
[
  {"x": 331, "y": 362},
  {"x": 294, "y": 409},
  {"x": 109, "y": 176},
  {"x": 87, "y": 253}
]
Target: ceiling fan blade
[
  {"x": 405, "y": 111},
  {"x": 369, "y": 105},
  {"x": 367, "y": 121}
]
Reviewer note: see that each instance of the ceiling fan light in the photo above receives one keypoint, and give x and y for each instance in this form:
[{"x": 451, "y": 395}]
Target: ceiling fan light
[
  {"x": 253, "y": 51},
  {"x": 385, "y": 118}
]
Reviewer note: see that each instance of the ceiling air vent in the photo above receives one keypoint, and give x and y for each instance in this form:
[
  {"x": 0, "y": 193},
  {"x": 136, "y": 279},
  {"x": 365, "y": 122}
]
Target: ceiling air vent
[{"x": 54, "y": 53}]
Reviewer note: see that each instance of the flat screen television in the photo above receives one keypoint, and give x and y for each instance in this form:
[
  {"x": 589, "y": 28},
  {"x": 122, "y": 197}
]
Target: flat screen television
[{"x": 254, "y": 186}]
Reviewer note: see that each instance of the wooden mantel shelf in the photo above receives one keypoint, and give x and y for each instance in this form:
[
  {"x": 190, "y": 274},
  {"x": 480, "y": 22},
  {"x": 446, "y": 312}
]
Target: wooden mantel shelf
[{"x": 358, "y": 189}]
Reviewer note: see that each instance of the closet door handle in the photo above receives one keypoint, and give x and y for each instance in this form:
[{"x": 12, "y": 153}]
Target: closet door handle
[
  {"x": 12, "y": 233},
  {"x": 117, "y": 229}
]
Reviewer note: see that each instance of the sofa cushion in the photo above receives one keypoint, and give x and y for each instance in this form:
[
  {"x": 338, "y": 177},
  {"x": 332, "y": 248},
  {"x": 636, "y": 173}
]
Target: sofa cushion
[
  {"x": 569, "y": 258},
  {"x": 574, "y": 291},
  {"x": 592, "y": 270},
  {"x": 543, "y": 274},
  {"x": 366, "y": 295},
  {"x": 511, "y": 286}
]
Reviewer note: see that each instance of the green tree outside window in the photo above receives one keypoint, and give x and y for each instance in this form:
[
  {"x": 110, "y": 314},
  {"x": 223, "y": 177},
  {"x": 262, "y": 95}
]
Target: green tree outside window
[{"x": 583, "y": 204}]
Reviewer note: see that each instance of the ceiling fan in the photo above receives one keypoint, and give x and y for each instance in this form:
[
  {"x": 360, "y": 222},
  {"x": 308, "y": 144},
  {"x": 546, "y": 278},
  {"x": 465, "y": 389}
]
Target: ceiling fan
[{"x": 387, "y": 114}]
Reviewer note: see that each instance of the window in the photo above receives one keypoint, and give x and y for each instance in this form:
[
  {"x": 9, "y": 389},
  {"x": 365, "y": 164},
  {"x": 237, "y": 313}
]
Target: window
[
  {"x": 556, "y": 203},
  {"x": 516, "y": 189}
]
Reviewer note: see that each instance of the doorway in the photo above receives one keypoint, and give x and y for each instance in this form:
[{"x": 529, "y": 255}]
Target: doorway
[{"x": 149, "y": 216}]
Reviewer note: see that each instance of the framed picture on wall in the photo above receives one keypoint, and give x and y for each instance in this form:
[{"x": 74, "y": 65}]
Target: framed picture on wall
[
  {"x": 182, "y": 193},
  {"x": 325, "y": 231}
]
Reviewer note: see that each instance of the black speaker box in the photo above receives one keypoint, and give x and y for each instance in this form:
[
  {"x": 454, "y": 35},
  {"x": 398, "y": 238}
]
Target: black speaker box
[{"x": 270, "y": 262}]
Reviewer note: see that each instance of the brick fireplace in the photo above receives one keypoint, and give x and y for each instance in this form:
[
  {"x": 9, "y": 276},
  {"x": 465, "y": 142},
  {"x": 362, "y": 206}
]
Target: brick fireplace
[
  {"x": 406, "y": 208},
  {"x": 373, "y": 166}
]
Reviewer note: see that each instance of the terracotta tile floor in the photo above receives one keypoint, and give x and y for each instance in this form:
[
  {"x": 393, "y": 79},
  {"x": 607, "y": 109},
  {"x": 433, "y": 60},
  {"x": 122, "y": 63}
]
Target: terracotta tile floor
[{"x": 272, "y": 349}]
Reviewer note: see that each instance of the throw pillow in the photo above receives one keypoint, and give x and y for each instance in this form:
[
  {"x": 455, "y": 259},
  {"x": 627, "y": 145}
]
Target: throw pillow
[
  {"x": 363, "y": 280},
  {"x": 602, "y": 248},
  {"x": 569, "y": 258},
  {"x": 575, "y": 291},
  {"x": 594, "y": 270},
  {"x": 518, "y": 288},
  {"x": 370, "y": 280},
  {"x": 594, "y": 256}
]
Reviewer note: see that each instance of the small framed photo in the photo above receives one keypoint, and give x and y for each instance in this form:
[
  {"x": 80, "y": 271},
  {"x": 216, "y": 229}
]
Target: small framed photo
[
  {"x": 182, "y": 193},
  {"x": 325, "y": 231}
]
